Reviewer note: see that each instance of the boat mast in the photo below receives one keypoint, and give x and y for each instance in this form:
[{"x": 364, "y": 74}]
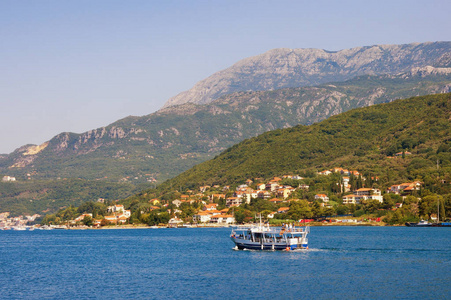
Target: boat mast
[{"x": 438, "y": 211}]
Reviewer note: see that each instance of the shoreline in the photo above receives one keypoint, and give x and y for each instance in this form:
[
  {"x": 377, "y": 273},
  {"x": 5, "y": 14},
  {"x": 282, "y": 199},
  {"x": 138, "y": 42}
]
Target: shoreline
[{"x": 122, "y": 227}]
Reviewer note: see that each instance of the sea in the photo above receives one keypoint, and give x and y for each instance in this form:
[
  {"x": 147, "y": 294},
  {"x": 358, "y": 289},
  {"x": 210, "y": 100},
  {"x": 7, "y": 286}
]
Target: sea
[{"x": 342, "y": 262}]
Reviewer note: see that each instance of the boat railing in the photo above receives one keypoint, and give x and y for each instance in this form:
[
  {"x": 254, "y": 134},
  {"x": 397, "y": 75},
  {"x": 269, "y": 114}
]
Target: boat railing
[{"x": 278, "y": 229}]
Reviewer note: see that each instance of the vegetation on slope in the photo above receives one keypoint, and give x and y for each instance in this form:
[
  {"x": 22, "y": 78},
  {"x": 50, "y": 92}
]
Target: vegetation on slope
[{"x": 361, "y": 139}]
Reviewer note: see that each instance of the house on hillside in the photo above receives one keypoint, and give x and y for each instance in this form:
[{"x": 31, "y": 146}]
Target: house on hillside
[
  {"x": 276, "y": 200},
  {"x": 210, "y": 206},
  {"x": 352, "y": 199},
  {"x": 81, "y": 217},
  {"x": 407, "y": 187},
  {"x": 283, "y": 210},
  {"x": 405, "y": 153},
  {"x": 355, "y": 173},
  {"x": 8, "y": 178},
  {"x": 370, "y": 193},
  {"x": 325, "y": 172},
  {"x": 222, "y": 219},
  {"x": 154, "y": 201},
  {"x": 177, "y": 203},
  {"x": 272, "y": 186},
  {"x": 285, "y": 192},
  {"x": 304, "y": 186},
  {"x": 111, "y": 219},
  {"x": 322, "y": 197},
  {"x": 245, "y": 197},
  {"x": 242, "y": 187},
  {"x": 363, "y": 194},
  {"x": 174, "y": 222},
  {"x": 204, "y": 188},
  {"x": 261, "y": 186},
  {"x": 202, "y": 217},
  {"x": 115, "y": 208},
  {"x": 234, "y": 201},
  {"x": 212, "y": 197},
  {"x": 264, "y": 195}
]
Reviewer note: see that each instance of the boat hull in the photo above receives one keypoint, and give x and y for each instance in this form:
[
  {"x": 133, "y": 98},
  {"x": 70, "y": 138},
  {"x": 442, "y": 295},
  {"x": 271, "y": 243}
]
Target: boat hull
[{"x": 246, "y": 244}]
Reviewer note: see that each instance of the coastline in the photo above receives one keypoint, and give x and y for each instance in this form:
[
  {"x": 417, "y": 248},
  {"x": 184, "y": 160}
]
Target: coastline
[{"x": 312, "y": 224}]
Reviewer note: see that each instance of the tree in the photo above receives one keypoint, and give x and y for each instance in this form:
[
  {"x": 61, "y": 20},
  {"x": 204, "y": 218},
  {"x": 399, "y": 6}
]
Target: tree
[
  {"x": 87, "y": 220},
  {"x": 329, "y": 211},
  {"x": 428, "y": 205},
  {"x": 342, "y": 210},
  {"x": 299, "y": 210},
  {"x": 239, "y": 217},
  {"x": 371, "y": 206}
]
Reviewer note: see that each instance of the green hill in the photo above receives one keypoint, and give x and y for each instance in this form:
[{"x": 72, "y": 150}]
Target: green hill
[{"x": 364, "y": 139}]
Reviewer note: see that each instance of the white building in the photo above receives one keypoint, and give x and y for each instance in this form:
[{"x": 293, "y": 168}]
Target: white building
[
  {"x": 202, "y": 217},
  {"x": 222, "y": 219},
  {"x": 363, "y": 194},
  {"x": 8, "y": 178},
  {"x": 322, "y": 197}
]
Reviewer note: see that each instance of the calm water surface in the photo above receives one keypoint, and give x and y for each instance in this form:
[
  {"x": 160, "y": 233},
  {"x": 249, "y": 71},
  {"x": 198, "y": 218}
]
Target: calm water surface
[{"x": 342, "y": 263}]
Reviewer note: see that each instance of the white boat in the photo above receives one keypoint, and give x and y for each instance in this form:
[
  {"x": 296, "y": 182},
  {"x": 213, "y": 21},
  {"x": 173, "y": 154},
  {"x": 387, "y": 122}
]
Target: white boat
[
  {"x": 45, "y": 227},
  {"x": 261, "y": 237},
  {"x": 19, "y": 228}
]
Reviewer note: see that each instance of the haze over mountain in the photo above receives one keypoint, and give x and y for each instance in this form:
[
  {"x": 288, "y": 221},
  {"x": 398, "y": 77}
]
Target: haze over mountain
[{"x": 281, "y": 68}]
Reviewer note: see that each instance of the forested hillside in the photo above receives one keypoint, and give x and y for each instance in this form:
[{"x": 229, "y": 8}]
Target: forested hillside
[{"x": 364, "y": 139}]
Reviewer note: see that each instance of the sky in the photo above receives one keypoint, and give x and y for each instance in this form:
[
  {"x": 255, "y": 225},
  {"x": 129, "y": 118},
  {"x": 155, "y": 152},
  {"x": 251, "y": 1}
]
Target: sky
[{"x": 77, "y": 65}]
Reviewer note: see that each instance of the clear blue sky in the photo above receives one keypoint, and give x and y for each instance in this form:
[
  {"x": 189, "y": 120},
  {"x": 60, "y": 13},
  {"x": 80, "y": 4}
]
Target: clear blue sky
[{"x": 76, "y": 65}]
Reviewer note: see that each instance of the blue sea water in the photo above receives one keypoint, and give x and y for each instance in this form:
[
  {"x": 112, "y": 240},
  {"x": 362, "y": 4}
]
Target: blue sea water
[{"x": 342, "y": 263}]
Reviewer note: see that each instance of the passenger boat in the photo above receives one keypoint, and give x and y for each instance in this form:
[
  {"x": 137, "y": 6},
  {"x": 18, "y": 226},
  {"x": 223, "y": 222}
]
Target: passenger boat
[
  {"x": 422, "y": 223},
  {"x": 261, "y": 237}
]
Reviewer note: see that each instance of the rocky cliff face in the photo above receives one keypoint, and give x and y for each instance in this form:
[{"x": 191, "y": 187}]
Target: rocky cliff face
[{"x": 281, "y": 68}]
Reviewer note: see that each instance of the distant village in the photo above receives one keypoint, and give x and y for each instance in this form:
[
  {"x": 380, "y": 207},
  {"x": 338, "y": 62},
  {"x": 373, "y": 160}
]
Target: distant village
[{"x": 19, "y": 222}]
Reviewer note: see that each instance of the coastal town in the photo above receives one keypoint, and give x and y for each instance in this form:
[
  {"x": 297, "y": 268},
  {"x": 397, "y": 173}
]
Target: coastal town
[{"x": 220, "y": 205}]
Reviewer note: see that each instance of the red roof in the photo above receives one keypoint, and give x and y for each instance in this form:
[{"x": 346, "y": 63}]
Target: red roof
[{"x": 283, "y": 209}]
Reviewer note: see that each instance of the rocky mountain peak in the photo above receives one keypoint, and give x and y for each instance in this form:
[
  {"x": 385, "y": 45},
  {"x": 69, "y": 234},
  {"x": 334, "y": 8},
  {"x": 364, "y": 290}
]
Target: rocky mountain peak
[{"x": 283, "y": 67}]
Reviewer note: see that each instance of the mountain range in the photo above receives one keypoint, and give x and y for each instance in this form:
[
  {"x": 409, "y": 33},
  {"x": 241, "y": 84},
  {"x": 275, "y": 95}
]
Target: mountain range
[
  {"x": 278, "y": 89},
  {"x": 170, "y": 141}
]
